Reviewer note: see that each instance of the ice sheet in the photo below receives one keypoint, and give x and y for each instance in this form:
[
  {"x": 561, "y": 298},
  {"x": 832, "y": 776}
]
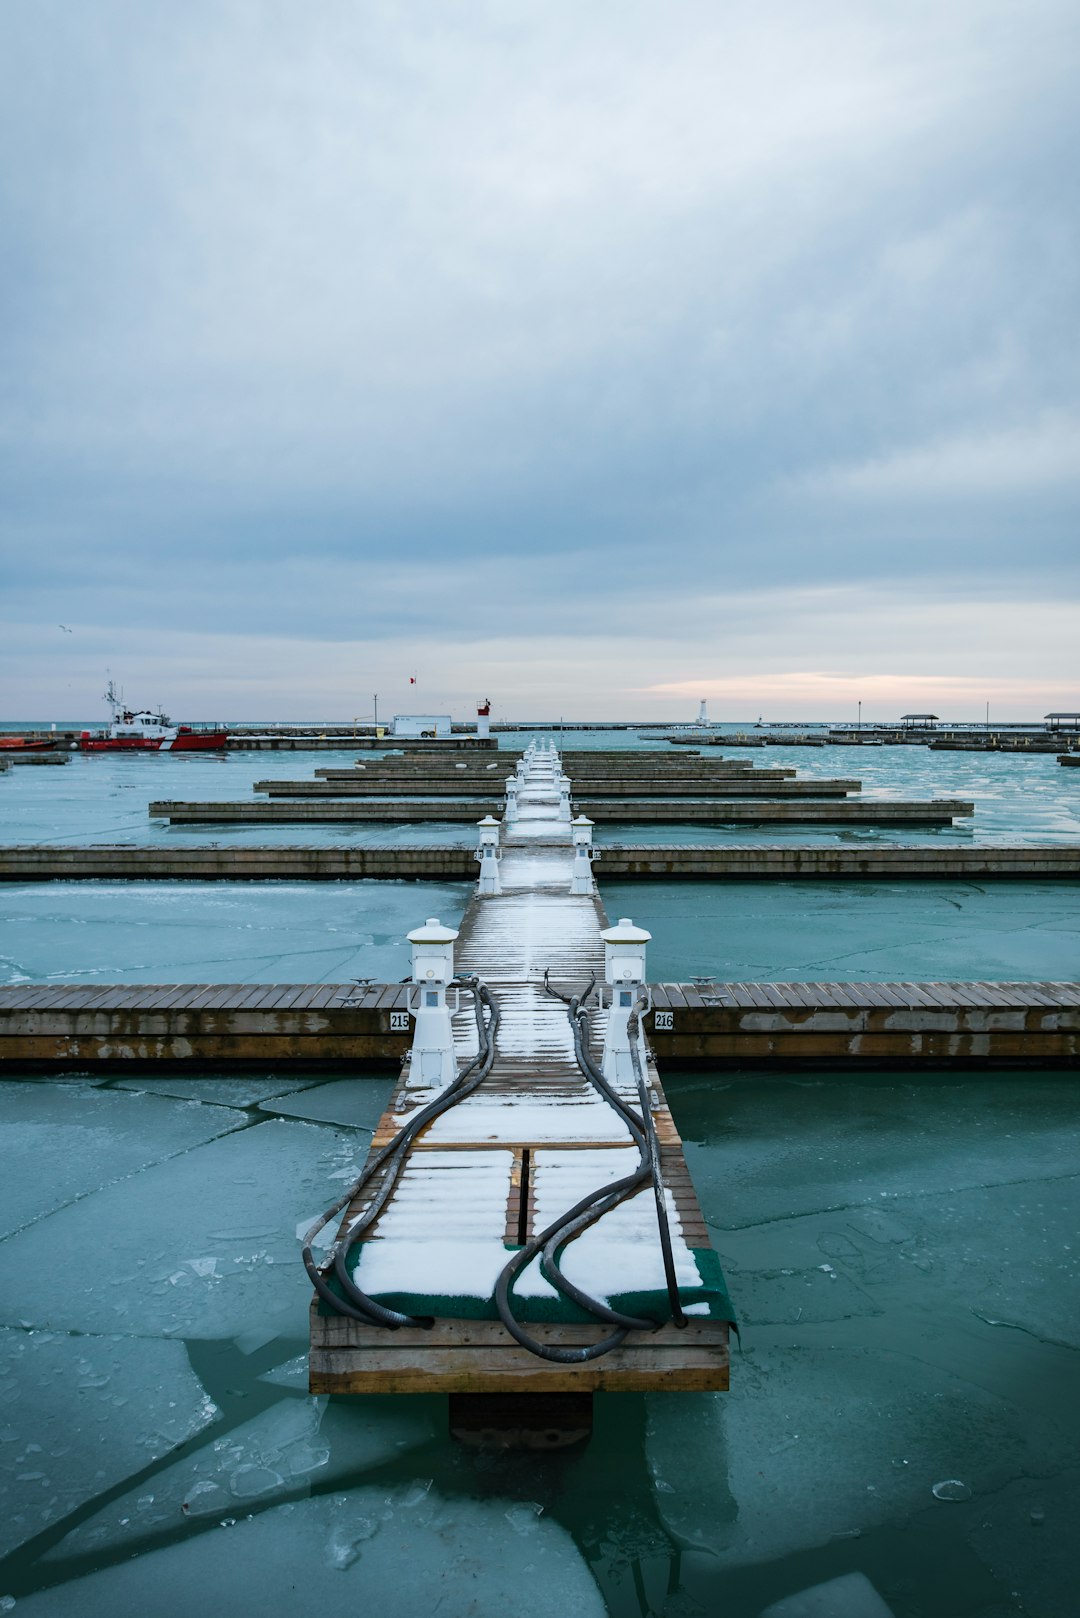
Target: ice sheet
[
  {"x": 232, "y": 1091},
  {"x": 826, "y": 932},
  {"x": 295, "y": 1442},
  {"x": 216, "y": 932},
  {"x": 358, "y": 1102},
  {"x": 63, "y": 1141},
  {"x": 201, "y": 1246},
  {"x": 772, "y": 1149},
  {"x": 743, "y": 1475},
  {"x": 397, "y": 1554},
  {"x": 79, "y": 1414}
]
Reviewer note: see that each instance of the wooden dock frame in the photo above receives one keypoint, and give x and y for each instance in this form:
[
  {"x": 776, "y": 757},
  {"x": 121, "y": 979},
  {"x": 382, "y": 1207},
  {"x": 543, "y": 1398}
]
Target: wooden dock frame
[
  {"x": 501, "y": 1392},
  {"x": 478, "y": 1356}
]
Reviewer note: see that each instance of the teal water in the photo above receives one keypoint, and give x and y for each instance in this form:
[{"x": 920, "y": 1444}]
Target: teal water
[
  {"x": 902, "y": 1253},
  {"x": 104, "y": 798},
  {"x": 286, "y": 932}
]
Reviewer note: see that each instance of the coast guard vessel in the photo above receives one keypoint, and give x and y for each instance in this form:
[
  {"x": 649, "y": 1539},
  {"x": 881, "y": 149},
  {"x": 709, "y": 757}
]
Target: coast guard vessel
[{"x": 141, "y": 730}]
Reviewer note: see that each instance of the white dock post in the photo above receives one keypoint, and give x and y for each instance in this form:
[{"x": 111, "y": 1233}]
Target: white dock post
[
  {"x": 581, "y": 877},
  {"x": 488, "y": 855},
  {"x": 433, "y": 1059},
  {"x": 512, "y": 785},
  {"x": 563, "y": 784},
  {"x": 624, "y": 970}
]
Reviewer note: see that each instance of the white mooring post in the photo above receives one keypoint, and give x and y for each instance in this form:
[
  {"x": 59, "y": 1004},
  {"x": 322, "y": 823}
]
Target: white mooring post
[
  {"x": 624, "y": 969},
  {"x": 433, "y": 1059},
  {"x": 581, "y": 877},
  {"x": 488, "y": 855},
  {"x": 563, "y": 784},
  {"x": 512, "y": 784}
]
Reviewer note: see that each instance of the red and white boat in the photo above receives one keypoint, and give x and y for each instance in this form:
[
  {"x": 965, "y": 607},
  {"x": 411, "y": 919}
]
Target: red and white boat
[{"x": 141, "y": 731}]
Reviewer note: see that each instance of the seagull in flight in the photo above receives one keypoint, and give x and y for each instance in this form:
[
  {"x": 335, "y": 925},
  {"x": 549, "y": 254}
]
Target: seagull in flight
[{"x": 65, "y": 628}]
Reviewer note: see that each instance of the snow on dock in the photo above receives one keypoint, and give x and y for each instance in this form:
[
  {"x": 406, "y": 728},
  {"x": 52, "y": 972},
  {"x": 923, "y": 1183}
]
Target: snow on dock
[{"x": 485, "y": 1177}]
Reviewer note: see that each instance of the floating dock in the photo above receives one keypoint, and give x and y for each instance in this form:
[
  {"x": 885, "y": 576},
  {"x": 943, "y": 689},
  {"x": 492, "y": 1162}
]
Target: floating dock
[
  {"x": 733, "y": 786},
  {"x": 678, "y": 862},
  {"x": 629, "y": 811},
  {"x": 485, "y": 1184},
  {"x": 199, "y": 1027}
]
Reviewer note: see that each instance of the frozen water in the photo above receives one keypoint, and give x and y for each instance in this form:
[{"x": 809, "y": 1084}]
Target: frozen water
[
  {"x": 292, "y": 1374},
  {"x": 104, "y": 799},
  {"x": 63, "y": 1141},
  {"x": 866, "y": 1140},
  {"x": 238, "y": 1091},
  {"x": 902, "y": 1256},
  {"x": 409, "y": 1552},
  {"x": 1027, "y": 1536},
  {"x": 80, "y": 1414},
  {"x": 203, "y": 1245},
  {"x": 852, "y": 1596},
  {"x": 357, "y": 1102},
  {"x": 276, "y": 1453},
  {"x": 217, "y": 932},
  {"x": 853, "y": 932},
  {"x": 745, "y": 1470}
]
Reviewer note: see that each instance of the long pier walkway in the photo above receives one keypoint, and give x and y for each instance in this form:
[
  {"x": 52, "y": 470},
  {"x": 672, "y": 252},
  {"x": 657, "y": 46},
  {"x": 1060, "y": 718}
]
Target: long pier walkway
[{"x": 485, "y": 1178}]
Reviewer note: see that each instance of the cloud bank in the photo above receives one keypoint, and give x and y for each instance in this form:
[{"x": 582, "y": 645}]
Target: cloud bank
[{"x": 577, "y": 357}]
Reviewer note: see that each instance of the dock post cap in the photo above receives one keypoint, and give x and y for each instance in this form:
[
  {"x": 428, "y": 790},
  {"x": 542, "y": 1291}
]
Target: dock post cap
[
  {"x": 624, "y": 932},
  {"x": 432, "y": 932},
  {"x": 582, "y": 828},
  {"x": 489, "y": 820}
]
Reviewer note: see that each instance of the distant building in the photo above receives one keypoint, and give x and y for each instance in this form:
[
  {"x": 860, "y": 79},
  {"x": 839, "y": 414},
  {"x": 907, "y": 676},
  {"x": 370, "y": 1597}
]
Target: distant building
[
  {"x": 919, "y": 721},
  {"x": 1062, "y": 721},
  {"x": 422, "y": 724}
]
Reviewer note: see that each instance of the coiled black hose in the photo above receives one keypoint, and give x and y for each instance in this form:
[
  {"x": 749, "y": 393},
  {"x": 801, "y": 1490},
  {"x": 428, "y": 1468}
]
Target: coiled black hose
[
  {"x": 389, "y": 1163},
  {"x": 550, "y": 1242}
]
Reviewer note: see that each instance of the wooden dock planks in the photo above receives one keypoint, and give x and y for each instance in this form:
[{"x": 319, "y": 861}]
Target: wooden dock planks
[
  {"x": 335, "y": 1026},
  {"x": 537, "y": 1119},
  {"x": 625, "y": 862}
]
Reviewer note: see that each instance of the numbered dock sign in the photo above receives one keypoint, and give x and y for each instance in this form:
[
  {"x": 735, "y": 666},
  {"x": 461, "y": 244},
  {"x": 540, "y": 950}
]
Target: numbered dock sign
[
  {"x": 664, "y": 1021},
  {"x": 399, "y": 1022}
]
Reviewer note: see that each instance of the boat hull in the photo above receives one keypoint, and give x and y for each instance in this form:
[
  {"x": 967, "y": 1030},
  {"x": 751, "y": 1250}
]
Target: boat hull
[{"x": 185, "y": 741}]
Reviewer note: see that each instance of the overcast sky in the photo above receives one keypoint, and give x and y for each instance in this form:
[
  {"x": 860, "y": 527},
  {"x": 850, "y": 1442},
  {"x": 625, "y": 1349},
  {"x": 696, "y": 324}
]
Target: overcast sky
[{"x": 596, "y": 358}]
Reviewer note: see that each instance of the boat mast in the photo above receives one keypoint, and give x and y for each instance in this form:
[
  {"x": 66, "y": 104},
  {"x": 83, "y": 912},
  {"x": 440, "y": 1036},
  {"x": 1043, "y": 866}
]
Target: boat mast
[{"x": 114, "y": 698}]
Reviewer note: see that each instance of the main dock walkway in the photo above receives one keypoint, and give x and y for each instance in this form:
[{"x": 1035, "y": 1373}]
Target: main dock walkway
[{"x": 487, "y": 1177}]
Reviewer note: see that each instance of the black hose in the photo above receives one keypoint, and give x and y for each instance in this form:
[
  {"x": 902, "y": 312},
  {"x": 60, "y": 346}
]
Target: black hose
[
  {"x": 390, "y": 1161},
  {"x": 569, "y": 1225}
]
